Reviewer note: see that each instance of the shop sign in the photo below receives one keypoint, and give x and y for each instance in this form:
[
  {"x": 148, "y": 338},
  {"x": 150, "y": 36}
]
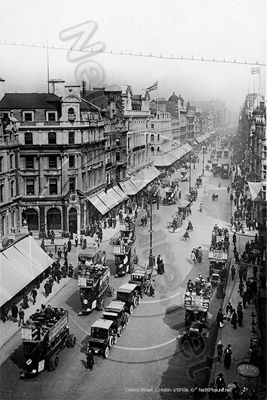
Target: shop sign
[
  {"x": 247, "y": 370},
  {"x": 95, "y": 166}
]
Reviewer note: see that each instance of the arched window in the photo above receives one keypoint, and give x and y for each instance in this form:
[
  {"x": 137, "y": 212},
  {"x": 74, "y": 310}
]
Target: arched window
[
  {"x": 32, "y": 219},
  {"x": 152, "y": 150},
  {"x": 71, "y": 114},
  {"x": 152, "y": 138},
  {"x": 53, "y": 219}
]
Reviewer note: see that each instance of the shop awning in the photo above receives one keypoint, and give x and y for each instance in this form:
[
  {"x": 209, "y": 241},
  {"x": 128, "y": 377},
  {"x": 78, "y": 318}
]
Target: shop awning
[
  {"x": 98, "y": 204},
  {"x": 187, "y": 148},
  {"x": 20, "y": 264},
  {"x": 163, "y": 160},
  {"x": 255, "y": 189},
  {"x": 128, "y": 187},
  {"x": 120, "y": 193},
  {"x": 117, "y": 199},
  {"x": 200, "y": 139}
]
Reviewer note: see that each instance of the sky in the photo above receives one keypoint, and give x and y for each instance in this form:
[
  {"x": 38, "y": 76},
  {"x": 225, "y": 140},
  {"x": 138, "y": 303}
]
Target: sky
[{"x": 136, "y": 43}]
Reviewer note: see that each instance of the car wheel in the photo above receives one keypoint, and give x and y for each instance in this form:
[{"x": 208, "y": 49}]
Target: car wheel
[
  {"x": 111, "y": 341},
  {"x": 114, "y": 340},
  {"x": 106, "y": 352},
  {"x": 73, "y": 340},
  {"x": 119, "y": 333},
  {"x": 131, "y": 309},
  {"x": 135, "y": 302}
]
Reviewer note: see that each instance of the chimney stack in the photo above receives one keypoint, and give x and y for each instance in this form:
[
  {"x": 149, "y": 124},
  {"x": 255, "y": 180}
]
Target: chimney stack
[{"x": 57, "y": 87}]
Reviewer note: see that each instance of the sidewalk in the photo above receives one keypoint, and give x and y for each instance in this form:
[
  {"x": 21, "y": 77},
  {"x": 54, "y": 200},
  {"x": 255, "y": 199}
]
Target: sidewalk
[
  {"x": 238, "y": 338},
  {"x": 9, "y": 328}
]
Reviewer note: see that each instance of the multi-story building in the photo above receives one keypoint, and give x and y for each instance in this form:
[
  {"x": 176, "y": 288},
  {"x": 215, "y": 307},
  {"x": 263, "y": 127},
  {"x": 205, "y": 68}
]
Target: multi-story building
[
  {"x": 137, "y": 119},
  {"x": 57, "y": 156},
  {"x": 161, "y": 133}
]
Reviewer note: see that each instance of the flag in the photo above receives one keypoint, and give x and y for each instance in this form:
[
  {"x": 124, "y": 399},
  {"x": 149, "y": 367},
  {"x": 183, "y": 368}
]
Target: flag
[
  {"x": 153, "y": 87},
  {"x": 255, "y": 70}
]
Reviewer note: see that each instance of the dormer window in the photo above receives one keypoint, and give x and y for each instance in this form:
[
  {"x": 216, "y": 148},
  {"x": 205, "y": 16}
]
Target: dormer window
[
  {"x": 28, "y": 116},
  {"x": 51, "y": 116},
  {"x": 71, "y": 114}
]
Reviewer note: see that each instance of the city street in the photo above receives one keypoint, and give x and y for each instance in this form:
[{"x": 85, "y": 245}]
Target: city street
[{"x": 148, "y": 361}]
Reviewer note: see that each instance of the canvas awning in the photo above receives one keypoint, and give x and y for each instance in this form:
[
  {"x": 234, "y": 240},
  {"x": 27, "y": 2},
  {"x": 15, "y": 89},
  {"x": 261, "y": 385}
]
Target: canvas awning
[
  {"x": 255, "y": 189},
  {"x": 98, "y": 204},
  {"x": 164, "y": 160},
  {"x": 120, "y": 193},
  {"x": 128, "y": 187},
  {"x": 20, "y": 264}
]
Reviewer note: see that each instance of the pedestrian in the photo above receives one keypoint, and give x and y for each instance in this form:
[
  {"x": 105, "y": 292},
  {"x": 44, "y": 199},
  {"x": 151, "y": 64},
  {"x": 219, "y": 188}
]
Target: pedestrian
[
  {"x": 245, "y": 299},
  {"x": 219, "y": 318},
  {"x": 90, "y": 358},
  {"x": 219, "y": 350},
  {"x": 220, "y": 382},
  {"x": 47, "y": 288},
  {"x": 234, "y": 319},
  {"x": 229, "y": 310},
  {"x": 241, "y": 288},
  {"x": 4, "y": 314},
  {"x": 25, "y": 301},
  {"x": 233, "y": 272},
  {"x": 14, "y": 312},
  {"x": 59, "y": 253},
  {"x": 254, "y": 358},
  {"x": 240, "y": 314},
  {"x": 34, "y": 295},
  {"x": 69, "y": 245},
  {"x": 76, "y": 241},
  {"x": 234, "y": 238},
  {"x": 227, "y": 357},
  {"x": 228, "y": 189},
  {"x": 236, "y": 391},
  {"x": 21, "y": 316}
]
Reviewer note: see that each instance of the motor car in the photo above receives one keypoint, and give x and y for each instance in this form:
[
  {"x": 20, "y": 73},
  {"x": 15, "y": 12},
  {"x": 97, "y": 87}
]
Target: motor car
[
  {"x": 129, "y": 294},
  {"x": 103, "y": 337},
  {"x": 116, "y": 312}
]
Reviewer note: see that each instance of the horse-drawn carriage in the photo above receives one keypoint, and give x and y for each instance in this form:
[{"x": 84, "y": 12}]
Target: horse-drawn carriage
[
  {"x": 184, "y": 209},
  {"x": 170, "y": 196},
  {"x": 192, "y": 194}
]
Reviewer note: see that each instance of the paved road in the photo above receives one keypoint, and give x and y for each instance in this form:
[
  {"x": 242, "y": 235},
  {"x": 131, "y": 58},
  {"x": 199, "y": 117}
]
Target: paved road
[{"x": 148, "y": 361}]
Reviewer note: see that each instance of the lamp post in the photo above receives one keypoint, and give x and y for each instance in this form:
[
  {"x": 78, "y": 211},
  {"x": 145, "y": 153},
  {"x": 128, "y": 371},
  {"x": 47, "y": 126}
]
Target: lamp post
[
  {"x": 190, "y": 170},
  {"x": 203, "y": 162},
  {"x": 151, "y": 257}
]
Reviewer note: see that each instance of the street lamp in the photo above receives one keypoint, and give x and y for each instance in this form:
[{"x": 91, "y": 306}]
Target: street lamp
[
  {"x": 190, "y": 170},
  {"x": 203, "y": 161},
  {"x": 151, "y": 258}
]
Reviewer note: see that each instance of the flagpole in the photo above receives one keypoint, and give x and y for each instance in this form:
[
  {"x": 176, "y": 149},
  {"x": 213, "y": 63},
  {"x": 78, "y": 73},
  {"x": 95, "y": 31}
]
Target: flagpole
[{"x": 157, "y": 100}]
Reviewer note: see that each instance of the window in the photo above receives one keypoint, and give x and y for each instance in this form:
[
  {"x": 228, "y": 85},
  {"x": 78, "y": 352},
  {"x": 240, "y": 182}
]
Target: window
[
  {"x": 52, "y": 186},
  {"x": 52, "y": 138},
  {"x": 152, "y": 126},
  {"x": 28, "y": 116},
  {"x": 29, "y": 187},
  {"x": 72, "y": 184},
  {"x": 53, "y": 217},
  {"x": 1, "y": 193},
  {"x": 11, "y": 160},
  {"x": 71, "y": 138},
  {"x": 12, "y": 186},
  {"x": 51, "y": 116},
  {"x": 29, "y": 161},
  {"x": 1, "y": 164},
  {"x": 28, "y": 138},
  {"x": 53, "y": 162},
  {"x": 72, "y": 161},
  {"x": 71, "y": 114}
]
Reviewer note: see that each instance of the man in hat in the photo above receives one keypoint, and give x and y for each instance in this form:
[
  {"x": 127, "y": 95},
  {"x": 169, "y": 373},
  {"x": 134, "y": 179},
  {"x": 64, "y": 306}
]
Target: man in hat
[
  {"x": 227, "y": 356},
  {"x": 220, "y": 382},
  {"x": 220, "y": 350}
]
